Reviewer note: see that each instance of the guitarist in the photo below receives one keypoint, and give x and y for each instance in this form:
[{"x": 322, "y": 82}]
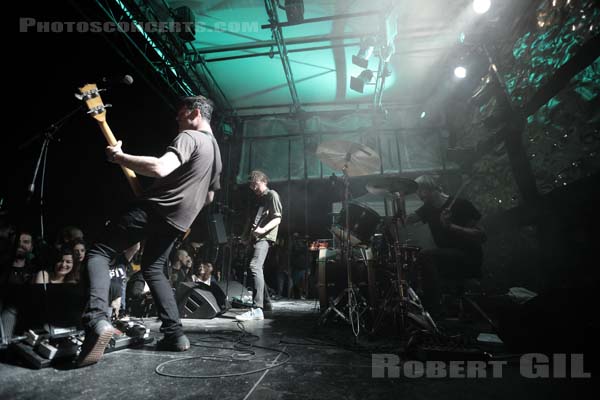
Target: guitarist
[
  {"x": 187, "y": 175},
  {"x": 264, "y": 226},
  {"x": 453, "y": 223}
]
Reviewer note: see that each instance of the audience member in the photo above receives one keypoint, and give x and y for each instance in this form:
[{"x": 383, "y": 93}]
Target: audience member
[{"x": 63, "y": 271}]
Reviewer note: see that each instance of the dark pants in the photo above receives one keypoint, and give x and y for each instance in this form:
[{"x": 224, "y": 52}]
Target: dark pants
[
  {"x": 135, "y": 225},
  {"x": 8, "y": 321},
  {"x": 260, "y": 294},
  {"x": 442, "y": 264}
]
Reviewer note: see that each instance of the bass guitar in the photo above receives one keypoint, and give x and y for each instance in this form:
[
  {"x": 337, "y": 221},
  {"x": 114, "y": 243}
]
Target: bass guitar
[{"x": 90, "y": 94}]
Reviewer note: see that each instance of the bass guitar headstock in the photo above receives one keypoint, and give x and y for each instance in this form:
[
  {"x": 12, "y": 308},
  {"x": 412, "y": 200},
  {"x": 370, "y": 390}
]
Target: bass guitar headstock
[{"x": 90, "y": 94}]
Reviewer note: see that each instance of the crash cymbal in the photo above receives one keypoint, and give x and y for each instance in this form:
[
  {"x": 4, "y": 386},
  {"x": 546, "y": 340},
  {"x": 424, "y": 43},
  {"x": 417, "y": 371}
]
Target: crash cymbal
[
  {"x": 388, "y": 185},
  {"x": 356, "y": 159}
]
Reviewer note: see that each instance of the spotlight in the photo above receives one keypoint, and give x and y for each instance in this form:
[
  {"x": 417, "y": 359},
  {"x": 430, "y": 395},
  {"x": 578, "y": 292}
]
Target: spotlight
[
  {"x": 460, "y": 72},
  {"x": 358, "y": 84},
  {"x": 481, "y": 6},
  {"x": 185, "y": 16},
  {"x": 294, "y": 10},
  {"x": 364, "y": 53}
]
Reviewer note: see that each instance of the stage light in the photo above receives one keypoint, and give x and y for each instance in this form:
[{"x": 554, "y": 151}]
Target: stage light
[
  {"x": 481, "y": 6},
  {"x": 358, "y": 84},
  {"x": 294, "y": 10},
  {"x": 460, "y": 72},
  {"x": 364, "y": 53},
  {"x": 186, "y": 17}
]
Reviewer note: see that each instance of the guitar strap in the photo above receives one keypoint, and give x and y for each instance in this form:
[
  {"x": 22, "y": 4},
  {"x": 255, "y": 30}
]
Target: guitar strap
[{"x": 258, "y": 216}]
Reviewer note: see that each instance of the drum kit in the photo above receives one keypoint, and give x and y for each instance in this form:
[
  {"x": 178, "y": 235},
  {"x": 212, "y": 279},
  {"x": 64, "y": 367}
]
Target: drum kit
[{"x": 391, "y": 298}]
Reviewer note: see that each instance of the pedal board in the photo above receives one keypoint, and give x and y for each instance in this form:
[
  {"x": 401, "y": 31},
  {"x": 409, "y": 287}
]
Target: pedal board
[{"x": 45, "y": 350}]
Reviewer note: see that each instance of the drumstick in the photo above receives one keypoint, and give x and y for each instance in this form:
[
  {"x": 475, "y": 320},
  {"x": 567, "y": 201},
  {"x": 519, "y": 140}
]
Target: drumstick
[{"x": 460, "y": 189}]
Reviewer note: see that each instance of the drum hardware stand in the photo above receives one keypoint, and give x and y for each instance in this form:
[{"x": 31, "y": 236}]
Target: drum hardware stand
[
  {"x": 400, "y": 291},
  {"x": 354, "y": 308}
]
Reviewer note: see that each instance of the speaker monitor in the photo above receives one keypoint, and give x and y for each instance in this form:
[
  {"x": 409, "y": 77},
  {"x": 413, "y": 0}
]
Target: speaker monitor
[
  {"x": 555, "y": 321},
  {"x": 235, "y": 292},
  {"x": 199, "y": 301}
]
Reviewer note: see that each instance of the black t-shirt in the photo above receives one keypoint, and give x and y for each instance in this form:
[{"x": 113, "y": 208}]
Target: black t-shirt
[
  {"x": 181, "y": 195},
  {"x": 268, "y": 207},
  {"x": 118, "y": 273},
  {"x": 462, "y": 212},
  {"x": 10, "y": 275}
]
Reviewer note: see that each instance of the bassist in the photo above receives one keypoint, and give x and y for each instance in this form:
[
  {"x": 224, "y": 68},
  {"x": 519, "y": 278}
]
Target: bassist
[{"x": 186, "y": 176}]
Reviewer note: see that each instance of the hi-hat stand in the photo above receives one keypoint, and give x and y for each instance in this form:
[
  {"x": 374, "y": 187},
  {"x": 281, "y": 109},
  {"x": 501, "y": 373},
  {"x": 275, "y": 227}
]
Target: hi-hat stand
[{"x": 355, "y": 305}]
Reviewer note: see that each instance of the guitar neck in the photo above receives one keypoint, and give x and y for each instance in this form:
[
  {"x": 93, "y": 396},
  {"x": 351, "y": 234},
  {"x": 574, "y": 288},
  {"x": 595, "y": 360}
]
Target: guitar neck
[{"x": 131, "y": 177}]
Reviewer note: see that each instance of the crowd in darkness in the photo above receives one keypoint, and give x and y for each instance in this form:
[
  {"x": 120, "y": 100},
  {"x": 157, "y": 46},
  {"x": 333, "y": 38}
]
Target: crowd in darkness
[{"x": 28, "y": 263}]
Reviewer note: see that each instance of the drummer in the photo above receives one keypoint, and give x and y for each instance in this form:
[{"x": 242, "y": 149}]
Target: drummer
[{"x": 454, "y": 227}]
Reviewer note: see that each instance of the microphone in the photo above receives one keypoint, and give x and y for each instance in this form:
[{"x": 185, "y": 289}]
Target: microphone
[
  {"x": 127, "y": 80},
  {"x": 124, "y": 79}
]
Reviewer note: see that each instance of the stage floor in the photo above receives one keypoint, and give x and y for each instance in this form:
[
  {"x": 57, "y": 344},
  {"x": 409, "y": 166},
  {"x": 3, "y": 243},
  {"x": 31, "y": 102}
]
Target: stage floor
[{"x": 307, "y": 362}]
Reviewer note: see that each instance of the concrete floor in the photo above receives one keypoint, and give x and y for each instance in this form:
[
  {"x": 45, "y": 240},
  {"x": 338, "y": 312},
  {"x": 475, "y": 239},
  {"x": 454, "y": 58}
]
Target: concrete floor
[{"x": 308, "y": 362}]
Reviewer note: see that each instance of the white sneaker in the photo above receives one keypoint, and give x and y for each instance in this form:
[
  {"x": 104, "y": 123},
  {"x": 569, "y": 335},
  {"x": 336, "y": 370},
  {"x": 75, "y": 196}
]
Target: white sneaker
[{"x": 253, "y": 314}]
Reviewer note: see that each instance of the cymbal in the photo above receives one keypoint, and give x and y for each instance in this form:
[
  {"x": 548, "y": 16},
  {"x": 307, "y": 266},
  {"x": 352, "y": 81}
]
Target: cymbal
[
  {"x": 356, "y": 159},
  {"x": 388, "y": 185}
]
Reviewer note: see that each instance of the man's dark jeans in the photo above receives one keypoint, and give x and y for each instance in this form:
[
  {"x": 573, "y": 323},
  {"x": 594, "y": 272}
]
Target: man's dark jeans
[
  {"x": 136, "y": 224},
  {"x": 261, "y": 295}
]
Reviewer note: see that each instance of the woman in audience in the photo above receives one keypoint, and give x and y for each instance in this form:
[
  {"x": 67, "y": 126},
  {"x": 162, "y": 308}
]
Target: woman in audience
[
  {"x": 63, "y": 269},
  {"x": 79, "y": 249}
]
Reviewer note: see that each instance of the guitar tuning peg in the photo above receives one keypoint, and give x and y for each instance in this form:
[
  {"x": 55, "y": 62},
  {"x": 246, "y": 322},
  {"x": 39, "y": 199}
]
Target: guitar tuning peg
[
  {"x": 78, "y": 96},
  {"x": 99, "y": 109}
]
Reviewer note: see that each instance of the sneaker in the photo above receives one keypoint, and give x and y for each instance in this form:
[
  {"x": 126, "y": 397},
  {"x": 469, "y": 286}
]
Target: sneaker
[
  {"x": 170, "y": 343},
  {"x": 95, "y": 343},
  {"x": 252, "y": 315}
]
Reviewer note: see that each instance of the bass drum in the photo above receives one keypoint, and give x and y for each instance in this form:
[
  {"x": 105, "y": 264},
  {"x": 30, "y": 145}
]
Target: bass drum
[{"x": 333, "y": 274}]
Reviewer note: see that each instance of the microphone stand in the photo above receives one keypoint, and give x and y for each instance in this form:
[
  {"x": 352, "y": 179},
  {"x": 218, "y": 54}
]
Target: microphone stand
[{"x": 49, "y": 134}]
